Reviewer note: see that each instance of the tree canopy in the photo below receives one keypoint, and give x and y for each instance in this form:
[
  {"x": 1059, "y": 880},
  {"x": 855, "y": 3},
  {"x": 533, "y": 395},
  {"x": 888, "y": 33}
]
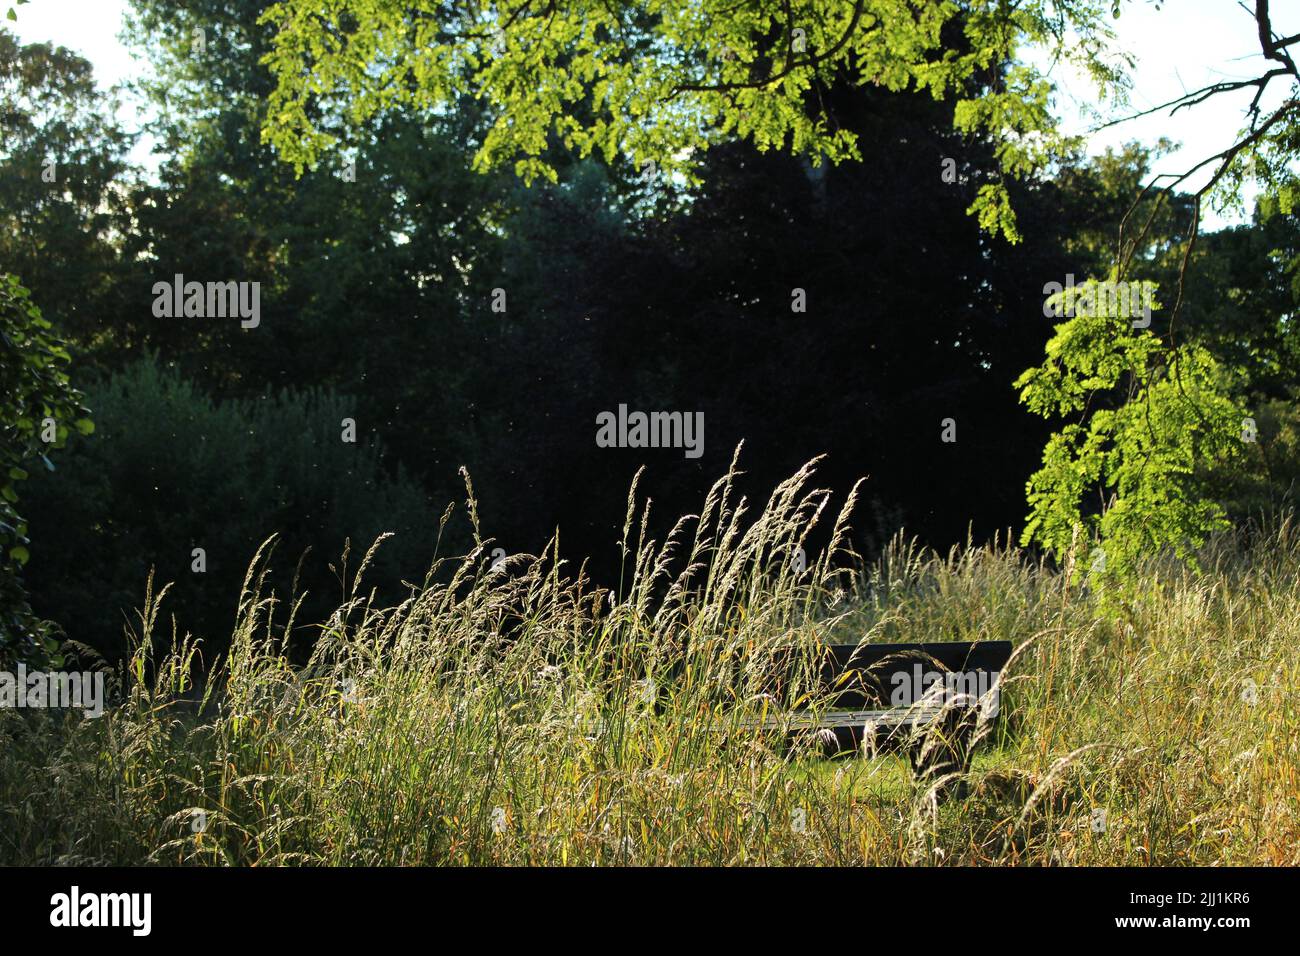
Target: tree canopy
[{"x": 660, "y": 81}]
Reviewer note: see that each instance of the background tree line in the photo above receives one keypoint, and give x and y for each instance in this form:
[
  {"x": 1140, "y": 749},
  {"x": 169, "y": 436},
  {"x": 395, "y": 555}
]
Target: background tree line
[{"x": 378, "y": 267}]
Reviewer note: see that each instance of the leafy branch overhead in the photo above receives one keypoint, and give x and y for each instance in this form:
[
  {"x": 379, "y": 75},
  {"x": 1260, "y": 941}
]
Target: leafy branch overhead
[
  {"x": 659, "y": 81},
  {"x": 1147, "y": 417}
]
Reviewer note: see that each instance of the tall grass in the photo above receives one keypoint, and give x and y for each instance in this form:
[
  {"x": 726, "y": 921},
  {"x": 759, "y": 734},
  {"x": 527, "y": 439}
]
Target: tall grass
[{"x": 510, "y": 713}]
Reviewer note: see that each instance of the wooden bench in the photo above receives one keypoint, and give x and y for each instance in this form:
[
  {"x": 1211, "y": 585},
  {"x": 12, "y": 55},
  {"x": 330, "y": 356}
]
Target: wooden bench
[{"x": 926, "y": 699}]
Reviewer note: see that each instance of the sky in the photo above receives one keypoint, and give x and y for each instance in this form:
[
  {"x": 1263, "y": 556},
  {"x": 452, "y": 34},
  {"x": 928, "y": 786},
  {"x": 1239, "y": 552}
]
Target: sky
[{"x": 1180, "y": 47}]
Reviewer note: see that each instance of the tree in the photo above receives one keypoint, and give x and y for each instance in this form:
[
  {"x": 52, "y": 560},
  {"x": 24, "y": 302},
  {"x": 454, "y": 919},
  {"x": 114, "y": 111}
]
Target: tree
[
  {"x": 382, "y": 259},
  {"x": 62, "y": 185},
  {"x": 39, "y": 408},
  {"x": 658, "y": 81}
]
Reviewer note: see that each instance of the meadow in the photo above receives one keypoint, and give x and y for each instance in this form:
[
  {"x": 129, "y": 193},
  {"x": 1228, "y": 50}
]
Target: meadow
[{"x": 512, "y": 713}]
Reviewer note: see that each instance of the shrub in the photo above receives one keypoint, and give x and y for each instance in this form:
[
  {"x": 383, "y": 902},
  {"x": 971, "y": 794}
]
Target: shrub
[
  {"x": 1270, "y": 485},
  {"x": 169, "y": 471}
]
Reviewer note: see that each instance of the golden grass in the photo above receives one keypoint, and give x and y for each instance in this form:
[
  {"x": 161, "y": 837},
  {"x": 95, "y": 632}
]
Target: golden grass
[{"x": 515, "y": 715}]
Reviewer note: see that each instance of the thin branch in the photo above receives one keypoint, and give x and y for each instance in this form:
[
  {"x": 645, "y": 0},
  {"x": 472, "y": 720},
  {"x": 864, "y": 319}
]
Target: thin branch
[
  {"x": 1199, "y": 96},
  {"x": 1273, "y": 49},
  {"x": 790, "y": 66}
]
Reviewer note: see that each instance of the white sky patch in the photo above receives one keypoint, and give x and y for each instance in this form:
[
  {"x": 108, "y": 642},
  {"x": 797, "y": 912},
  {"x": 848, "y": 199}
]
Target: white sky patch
[{"x": 1186, "y": 45}]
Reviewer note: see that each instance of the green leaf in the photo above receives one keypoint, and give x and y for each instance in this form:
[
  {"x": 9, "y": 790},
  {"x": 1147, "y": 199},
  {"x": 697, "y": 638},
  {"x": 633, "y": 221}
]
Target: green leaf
[{"x": 20, "y": 554}]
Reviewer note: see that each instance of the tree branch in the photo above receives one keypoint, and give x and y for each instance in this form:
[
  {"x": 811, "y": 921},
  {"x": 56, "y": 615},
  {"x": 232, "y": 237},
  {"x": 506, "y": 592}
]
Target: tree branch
[{"x": 790, "y": 65}]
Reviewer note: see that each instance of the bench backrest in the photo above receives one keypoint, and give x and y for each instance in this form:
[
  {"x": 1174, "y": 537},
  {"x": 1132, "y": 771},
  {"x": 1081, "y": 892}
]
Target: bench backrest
[{"x": 890, "y": 675}]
